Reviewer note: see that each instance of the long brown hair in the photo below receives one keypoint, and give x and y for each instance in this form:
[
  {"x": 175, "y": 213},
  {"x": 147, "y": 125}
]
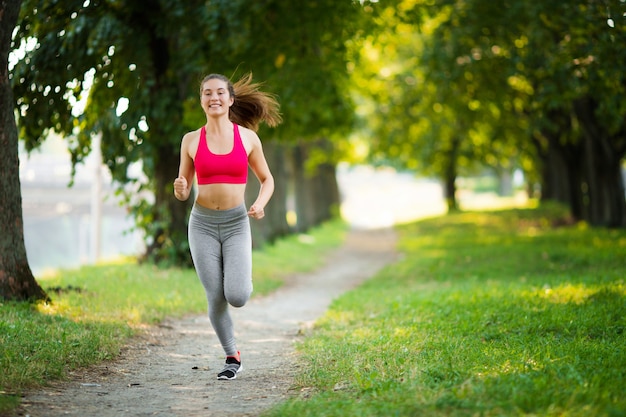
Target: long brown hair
[{"x": 251, "y": 106}]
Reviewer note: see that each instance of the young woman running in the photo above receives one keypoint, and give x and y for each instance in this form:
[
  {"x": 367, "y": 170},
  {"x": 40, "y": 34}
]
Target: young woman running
[{"x": 218, "y": 155}]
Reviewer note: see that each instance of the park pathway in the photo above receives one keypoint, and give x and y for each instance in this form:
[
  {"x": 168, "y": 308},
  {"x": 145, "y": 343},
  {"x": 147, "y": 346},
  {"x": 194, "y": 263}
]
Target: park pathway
[{"x": 171, "y": 370}]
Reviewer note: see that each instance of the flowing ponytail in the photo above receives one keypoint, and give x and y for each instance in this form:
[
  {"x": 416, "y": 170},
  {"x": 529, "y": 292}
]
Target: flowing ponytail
[{"x": 251, "y": 106}]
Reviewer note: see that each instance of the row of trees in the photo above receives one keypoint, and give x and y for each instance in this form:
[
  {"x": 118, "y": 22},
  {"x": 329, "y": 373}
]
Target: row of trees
[
  {"x": 537, "y": 86},
  {"x": 141, "y": 64},
  {"x": 439, "y": 87}
]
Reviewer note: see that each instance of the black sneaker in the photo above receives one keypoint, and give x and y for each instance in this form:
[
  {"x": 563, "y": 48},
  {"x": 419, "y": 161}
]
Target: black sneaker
[{"x": 231, "y": 369}]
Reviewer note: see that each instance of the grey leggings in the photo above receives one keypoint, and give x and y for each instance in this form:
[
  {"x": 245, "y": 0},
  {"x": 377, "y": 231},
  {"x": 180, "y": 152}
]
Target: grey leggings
[{"x": 221, "y": 249}]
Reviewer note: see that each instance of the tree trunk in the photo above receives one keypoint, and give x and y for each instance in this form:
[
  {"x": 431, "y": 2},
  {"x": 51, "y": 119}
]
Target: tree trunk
[
  {"x": 505, "y": 182},
  {"x": 168, "y": 225},
  {"x": 450, "y": 174},
  {"x": 327, "y": 192},
  {"x": 274, "y": 224},
  {"x": 305, "y": 207},
  {"x": 602, "y": 181},
  {"x": 562, "y": 177},
  {"x": 560, "y": 157},
  {"x": 585, "y": 174},
  {"x": 449, "y": 190},
  {"x": 555, "y": 184},
  {"x": 16, "y": 278},
  {"x": 316, "y": 189}
]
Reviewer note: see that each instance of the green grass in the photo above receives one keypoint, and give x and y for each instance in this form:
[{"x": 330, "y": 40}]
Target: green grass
[
  {"x": 488, "y": 314},
  {"x": 96, "y": 309}
]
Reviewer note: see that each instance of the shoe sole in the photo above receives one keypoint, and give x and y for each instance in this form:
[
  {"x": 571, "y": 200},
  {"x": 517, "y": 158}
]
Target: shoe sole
[{"x": 225, "y": 378}]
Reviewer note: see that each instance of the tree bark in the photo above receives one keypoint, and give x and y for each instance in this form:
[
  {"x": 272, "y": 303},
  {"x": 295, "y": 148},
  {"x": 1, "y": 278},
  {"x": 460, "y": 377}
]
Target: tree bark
[
  {"x": 16, "y": 278},
  {"x": 450, "y": 174},
  {"x": 169, "y": 216},
  {"x": 602, "y": 181},
  {"x": 274, "y": 224},
  {"x": 169, "y": 221},
  {"x": 316, "y": 190},
  {"x": 327, "y": 192},
  {"x": 561, "y": 176},
  {"x": 560, "y": 158},
  {"x": 302, "y": 190},
  {"x": 556, "y": 180},
  {"x": 586, "y": 173}
]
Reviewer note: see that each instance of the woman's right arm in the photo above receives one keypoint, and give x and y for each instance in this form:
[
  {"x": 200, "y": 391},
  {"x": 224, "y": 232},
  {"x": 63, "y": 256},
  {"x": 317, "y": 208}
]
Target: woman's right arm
[{"x": 186, "y": 171}]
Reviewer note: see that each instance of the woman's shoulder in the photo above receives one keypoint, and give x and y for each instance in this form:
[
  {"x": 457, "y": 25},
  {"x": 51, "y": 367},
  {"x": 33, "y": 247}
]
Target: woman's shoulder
[
  {"x": 191, "y": 136},
  {"x": 190, "y": 141},
  {"x": 249, "y": 138},
  {"x": 246, "y": 132}
]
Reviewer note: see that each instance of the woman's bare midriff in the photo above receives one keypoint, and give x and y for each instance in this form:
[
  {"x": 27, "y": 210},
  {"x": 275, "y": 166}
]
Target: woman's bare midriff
[{"x": 221, "y": 196}]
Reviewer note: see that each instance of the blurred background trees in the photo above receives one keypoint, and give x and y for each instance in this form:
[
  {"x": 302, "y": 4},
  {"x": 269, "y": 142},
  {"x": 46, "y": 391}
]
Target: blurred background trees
[
  {"x": 533, "y": 86},
  {"x": 443, "y": 88}
]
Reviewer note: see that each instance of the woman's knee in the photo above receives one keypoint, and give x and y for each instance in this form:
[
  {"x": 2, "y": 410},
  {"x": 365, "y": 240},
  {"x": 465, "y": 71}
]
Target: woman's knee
[{"x": 238, "y": 298}]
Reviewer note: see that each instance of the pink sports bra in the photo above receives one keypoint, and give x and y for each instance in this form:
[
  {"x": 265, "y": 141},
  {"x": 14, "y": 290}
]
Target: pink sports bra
[{"x": 230, "y": 168}]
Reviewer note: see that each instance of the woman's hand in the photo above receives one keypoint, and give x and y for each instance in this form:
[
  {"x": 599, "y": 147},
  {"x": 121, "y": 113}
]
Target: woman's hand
[
  {"x": 256, "y": 212},
  {"x": 180, "y": 188}
]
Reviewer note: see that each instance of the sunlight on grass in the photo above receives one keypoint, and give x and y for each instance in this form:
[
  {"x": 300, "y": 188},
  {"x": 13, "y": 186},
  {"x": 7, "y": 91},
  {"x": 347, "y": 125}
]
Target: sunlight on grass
[
  {"x": 576, "y": 294},
  {"x": 96, "y": 309},
  {"x": 491, "y": 314}
]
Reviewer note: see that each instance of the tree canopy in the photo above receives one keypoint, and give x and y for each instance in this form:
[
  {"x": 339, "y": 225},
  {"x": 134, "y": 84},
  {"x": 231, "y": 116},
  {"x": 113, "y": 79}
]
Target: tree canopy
[
  {"x": 532, "y": 85},
  {"x": 440, "y": 87},
  {"x": 141, "y": 63}
]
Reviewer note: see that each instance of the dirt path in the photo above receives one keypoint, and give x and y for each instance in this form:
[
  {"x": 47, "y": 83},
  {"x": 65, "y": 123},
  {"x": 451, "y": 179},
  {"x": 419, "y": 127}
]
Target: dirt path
[{"x": 171, "y": 371}]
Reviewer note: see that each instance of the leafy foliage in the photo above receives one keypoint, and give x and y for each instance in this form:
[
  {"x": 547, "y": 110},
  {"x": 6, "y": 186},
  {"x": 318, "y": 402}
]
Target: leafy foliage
[
  {"x": 136, "y": 62},
  {"x": 140, "y": 64},
  {"x": 464, "y": 84}
]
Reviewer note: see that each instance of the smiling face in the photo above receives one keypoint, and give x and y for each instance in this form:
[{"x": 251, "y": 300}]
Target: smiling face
[{"x": 215, "y": 97}]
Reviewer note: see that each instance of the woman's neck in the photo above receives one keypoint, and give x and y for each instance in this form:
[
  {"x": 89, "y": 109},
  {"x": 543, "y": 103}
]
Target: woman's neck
[{"x": 218, "y": 126}]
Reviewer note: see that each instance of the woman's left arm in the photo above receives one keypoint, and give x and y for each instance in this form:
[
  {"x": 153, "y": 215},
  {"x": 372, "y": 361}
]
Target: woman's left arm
[{"x": 259, "y": 166}]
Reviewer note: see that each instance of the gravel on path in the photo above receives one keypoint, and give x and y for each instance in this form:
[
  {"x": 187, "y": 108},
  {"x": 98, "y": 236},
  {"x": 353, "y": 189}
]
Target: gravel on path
[{"x": 170, "y": 370}]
